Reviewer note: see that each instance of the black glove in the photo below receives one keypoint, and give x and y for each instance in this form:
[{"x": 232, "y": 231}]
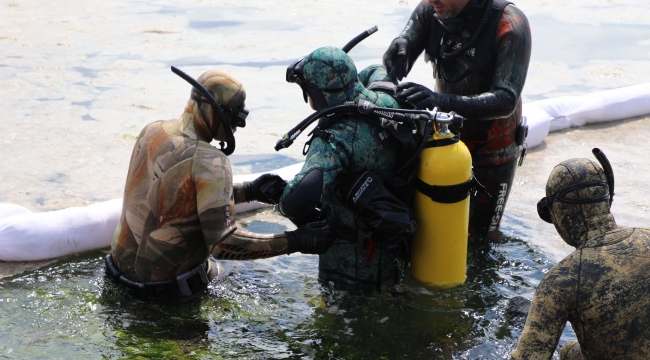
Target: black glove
[
  {"x": 396, "y": 59},
  {"x": 311, "y": 238},
  {"x": 417, "y": 95},
  {"x": 267, "y": 189}
]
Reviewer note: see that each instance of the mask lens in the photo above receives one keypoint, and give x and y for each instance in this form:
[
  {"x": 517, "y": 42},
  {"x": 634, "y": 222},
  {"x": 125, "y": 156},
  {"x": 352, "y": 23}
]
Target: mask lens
[
  {"x": 543, "y": 210},
  {"x": 294, "y": 71},
  {"x": 241, "y": 113}
]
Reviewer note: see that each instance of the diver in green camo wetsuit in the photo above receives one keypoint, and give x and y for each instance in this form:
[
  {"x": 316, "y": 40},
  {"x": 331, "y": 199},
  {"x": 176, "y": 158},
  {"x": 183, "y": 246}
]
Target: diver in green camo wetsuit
[{"x": 328, "y": 77}]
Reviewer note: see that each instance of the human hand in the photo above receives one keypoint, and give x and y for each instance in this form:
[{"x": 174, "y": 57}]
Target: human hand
[
  {"x": 311, "y": 238},
  {"x": 267, "y": 189},
  {"x": 417, "y": 95},
  {"x": 396, "y": 58}
]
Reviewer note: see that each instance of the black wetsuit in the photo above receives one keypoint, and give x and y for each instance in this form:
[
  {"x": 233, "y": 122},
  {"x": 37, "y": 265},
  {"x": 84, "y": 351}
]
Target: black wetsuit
[{"x": 485, "y": 90}]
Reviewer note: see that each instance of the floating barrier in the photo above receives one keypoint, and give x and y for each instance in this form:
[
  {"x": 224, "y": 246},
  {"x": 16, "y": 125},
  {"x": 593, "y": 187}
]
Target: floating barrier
[
  {"x": 560, "y": 113},
  {"x": 28, "y": 236}
]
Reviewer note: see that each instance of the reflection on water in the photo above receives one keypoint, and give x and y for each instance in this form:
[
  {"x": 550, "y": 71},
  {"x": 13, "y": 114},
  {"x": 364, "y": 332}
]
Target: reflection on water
[{"x": 273, "y": 308}]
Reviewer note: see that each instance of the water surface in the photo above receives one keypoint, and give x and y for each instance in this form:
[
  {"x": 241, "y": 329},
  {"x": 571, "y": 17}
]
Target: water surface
[{"x": 80, "y": 79}]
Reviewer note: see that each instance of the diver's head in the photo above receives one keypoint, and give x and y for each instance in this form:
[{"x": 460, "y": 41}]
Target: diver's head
[
  {"x": 577, "y": 200},
  {"x": 229, "y": 93},
  {"x": 327, "y": 76},
  {"x": 447, "y": 9}
]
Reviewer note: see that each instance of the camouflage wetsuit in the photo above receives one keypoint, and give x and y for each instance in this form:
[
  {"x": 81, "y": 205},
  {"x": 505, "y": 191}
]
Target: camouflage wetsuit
[
  {"x": 601, "y": 288},
  {"x": 489, "y": 97},
  {"x": 179, "y": 199},
  {"x": 353, "y": 145}
]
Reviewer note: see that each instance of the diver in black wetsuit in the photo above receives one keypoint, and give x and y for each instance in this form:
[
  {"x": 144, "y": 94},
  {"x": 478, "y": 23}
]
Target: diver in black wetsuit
[{"x": 480, "y": 51}]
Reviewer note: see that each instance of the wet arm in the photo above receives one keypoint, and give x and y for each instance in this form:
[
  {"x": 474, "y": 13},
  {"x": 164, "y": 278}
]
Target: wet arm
[
  {"x": 214, "y": 195},
  {"x": 547, "y": 316},
  {"x": 244, "y": 245},
  {"x": 239, "y": 194}
]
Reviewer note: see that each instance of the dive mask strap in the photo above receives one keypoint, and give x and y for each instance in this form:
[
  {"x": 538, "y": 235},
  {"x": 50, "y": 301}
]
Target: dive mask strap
[
  {"x": 543, "y": 205},
  {"x": 229, "y": 148}
]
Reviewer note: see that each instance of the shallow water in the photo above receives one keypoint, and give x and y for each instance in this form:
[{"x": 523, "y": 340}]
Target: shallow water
[
  {"x": 80, "y": 79},
  {"x": 273, "y": 308}
]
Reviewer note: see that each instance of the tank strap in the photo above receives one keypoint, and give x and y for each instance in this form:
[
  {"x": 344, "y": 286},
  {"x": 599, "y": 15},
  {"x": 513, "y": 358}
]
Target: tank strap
[
  {"x": 452, "y": 193},
  {"x": 445, "y": 194},
  {"x": 443, "y": 142}
]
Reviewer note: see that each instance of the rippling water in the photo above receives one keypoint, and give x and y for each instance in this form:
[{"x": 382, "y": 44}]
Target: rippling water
[{"x": 80, "y": 79}]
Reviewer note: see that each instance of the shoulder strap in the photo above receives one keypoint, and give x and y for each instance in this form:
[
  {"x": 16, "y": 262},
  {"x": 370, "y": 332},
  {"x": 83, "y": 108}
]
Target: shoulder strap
[{"x": 485, "y": 54}]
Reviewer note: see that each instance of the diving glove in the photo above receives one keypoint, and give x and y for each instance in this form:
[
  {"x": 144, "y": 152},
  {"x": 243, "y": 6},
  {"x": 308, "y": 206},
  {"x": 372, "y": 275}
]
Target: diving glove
[
  {"x": 396, "y": 58},
  {"x": 418, "y": 95},
  {"x": 267, "y": 189},
  {"x": 311, "y": 238}
]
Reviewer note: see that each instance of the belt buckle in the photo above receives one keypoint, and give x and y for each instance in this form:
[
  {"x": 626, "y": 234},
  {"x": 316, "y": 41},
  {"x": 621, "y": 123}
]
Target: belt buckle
[{"x": 181, "y": 280}]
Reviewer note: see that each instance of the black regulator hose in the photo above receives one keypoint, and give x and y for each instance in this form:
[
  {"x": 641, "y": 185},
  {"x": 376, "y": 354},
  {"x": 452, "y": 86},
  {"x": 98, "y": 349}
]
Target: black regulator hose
[
  {"x": 230, "y": 137},
  {"x": 287, "y": 139},
  {"x": 359, "y": 38},
  {"x": 609, "y": 173},
  {"x": 362, "y": 107}
]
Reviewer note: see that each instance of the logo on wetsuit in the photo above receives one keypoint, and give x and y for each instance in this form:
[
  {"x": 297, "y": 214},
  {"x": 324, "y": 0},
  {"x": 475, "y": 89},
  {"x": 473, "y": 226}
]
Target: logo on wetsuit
[
  {"x": 363, "y": 188},
  {"x": 498, "y": 211},
  {"x": 458, "y": 45}
]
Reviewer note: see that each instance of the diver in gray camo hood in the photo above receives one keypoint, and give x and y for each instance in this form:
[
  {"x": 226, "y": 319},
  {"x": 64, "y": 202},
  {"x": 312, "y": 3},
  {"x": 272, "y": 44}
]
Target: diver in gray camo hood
[{"x": 600, "y": 288}]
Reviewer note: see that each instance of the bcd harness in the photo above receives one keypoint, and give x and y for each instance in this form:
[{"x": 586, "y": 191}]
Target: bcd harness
[
  {"x": 412, "y": 129},
  {"x": 480, "y": 47}
]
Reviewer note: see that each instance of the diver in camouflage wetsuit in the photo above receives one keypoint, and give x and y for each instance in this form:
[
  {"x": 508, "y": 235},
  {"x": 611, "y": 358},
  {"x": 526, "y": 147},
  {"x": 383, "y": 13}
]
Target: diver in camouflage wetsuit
[
  {"x": 179, "y": 202},
  {"x": 480, "y": 60},
  {"x": 351, "y": 145},
  {"x": 602, "y": 287}
]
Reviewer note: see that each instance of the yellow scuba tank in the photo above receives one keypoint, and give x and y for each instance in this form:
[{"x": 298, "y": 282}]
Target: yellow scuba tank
[{"x": 441, "y": 204}]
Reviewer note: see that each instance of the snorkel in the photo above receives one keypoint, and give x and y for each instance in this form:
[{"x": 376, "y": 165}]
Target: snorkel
[
  {"x": 609, "y": 173},
  {"x": 239, "y": 114}
]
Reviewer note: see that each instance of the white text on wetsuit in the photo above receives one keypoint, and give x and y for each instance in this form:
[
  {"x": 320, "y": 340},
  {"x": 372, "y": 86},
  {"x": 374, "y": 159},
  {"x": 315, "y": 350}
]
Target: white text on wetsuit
[
  {"x": 499, "y": 209},
  {"x": 363, "y": 188}
]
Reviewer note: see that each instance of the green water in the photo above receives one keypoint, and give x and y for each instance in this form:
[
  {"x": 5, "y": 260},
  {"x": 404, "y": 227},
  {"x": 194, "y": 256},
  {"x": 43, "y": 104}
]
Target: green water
[{"x": 269, "y": 309}]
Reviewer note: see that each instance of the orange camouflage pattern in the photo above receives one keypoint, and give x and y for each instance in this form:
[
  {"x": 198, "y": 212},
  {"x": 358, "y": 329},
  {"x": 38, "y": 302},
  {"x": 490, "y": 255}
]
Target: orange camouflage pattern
[{"x": 179, "y": 207}]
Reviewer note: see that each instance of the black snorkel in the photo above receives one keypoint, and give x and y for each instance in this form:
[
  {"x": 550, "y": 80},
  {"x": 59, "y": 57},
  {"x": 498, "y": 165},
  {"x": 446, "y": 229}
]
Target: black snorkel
[
  {"x": 359, "y": 38},
  {"x": 364, "y": 107},
  {"x": 230, "y": 137},
  {"x": 607, "y": 168}
]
